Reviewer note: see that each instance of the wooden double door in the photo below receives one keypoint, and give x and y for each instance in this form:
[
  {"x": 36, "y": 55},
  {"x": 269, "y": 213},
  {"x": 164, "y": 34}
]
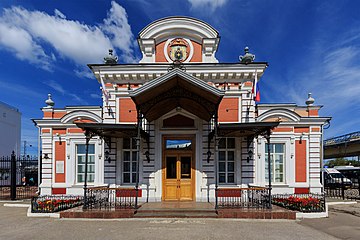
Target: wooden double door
[{"x": 178, "y": 177}]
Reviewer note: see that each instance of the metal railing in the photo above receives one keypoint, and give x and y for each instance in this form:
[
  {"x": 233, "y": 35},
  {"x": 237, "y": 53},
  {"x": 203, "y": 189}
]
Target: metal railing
[
  {"x": 253, "y": 197},
  {"x": 344, "y": 188},
  {"x": 342, "y": 139},
  {"x": 300, "y": 202},
  {"x": 54, "y": 203},
  {"x": 18, "y": 177},
  {"x": 110, "y": 198}
]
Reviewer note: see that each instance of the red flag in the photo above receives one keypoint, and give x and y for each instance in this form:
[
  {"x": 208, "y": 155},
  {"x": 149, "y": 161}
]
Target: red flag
[
  {"x": 255, "y": 89},
  {"x": 257, "y": 94}
]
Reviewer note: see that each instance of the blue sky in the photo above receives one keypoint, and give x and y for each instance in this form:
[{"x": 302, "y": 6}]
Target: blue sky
[{"x": 311, "y": 46}]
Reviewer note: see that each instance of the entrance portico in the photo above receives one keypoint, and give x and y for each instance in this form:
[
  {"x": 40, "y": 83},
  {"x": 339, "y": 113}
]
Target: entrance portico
[
  {"x": 193, "y": 101},
  {"x": 180, "y": 107},
  {"x": 177, "y": 89}
]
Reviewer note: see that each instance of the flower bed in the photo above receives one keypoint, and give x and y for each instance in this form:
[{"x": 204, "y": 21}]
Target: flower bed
[
  {"x": 300, "y": 202},
  {"x": 50, "y": 204}
]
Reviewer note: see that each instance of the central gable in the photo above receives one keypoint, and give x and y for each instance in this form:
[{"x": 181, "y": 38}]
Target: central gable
[
  {"x": 193, "y": 39},
  {"x": 178, "y": 120},
  {"x": 177, "y": 89}
]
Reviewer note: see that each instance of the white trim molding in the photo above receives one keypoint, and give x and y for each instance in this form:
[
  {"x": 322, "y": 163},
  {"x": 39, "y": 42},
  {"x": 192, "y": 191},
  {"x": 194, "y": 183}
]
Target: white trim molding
[
  {"x": 279, "y": 112},
  {"x": 70, "y": 117}
]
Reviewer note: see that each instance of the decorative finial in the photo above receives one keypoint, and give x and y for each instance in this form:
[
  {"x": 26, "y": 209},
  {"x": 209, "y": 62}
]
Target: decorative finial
[
  {"x": 248, "y": 57},
  {"x": 49, "y": 102},
  {"x": 310, "y": 101},
  {"x": 110, "y": 59}
]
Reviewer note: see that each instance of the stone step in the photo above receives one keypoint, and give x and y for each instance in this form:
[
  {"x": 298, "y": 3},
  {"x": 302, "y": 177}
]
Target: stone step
[
  {"x": 189, "y": 210},
  {"x": 176, "y": 214}
]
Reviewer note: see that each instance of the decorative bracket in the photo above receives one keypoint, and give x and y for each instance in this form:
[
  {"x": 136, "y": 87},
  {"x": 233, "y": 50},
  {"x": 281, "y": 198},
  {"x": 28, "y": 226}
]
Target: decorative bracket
[
  {"x": 147, "y": 153},
  {"x": 176, "y": 64},
  {"x": 249, "y": 139},
  {"x": 88, "y": 135}
]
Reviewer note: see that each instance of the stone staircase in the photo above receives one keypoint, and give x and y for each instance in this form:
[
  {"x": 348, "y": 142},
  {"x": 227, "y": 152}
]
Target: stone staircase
[{"x": 176, "y": 213}]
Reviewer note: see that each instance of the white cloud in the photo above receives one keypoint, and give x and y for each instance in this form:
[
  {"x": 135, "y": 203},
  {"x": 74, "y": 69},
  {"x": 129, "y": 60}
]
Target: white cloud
[
  {"x": 19, "y": 89},
  {"x": 210, "y": 4},
  {"x": 332, "y": 74},
  {"x": 22, "y": 44},
  {"x": 26, "y": 33},
  {"x": 95, "y": 95},
  {"x": 333, "y": 80},
  {"x": 71, "y": 39},
  {"x": 83, "y": 72},
  {"x": 59, "y": 14},
  {"x": 116, "y": 26},
  {"x": 57, "y": 87},
  {"x": 54, "y": 85}
]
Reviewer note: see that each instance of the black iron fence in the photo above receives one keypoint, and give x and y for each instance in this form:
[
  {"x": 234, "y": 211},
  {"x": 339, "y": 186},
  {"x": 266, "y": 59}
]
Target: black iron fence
[
  {"x": 254, "y": 197},
  {"x": 342, "y": 187},
  {"x": 56, "y": 203},
  {"x": 18, "y": 177},
  {"x": 110, "y": 198},
  {"x": 300, "y": 202}
]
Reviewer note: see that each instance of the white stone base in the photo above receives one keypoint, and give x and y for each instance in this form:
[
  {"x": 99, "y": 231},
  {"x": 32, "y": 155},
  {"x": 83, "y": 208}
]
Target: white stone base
[
  {"x": 301, "y": 215},
  {"x": 16, "y": 205},
  {"x": 51, "y": 215}
]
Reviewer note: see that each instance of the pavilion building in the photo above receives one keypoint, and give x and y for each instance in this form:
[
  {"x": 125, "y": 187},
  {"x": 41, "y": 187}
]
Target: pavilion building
[{"x": 178, "y": 125}]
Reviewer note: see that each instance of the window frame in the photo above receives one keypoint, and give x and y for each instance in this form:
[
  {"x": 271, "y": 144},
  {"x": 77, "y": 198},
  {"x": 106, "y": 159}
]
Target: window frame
[
  {"x": 273, "y": 154},
  {"x": 77, "y": 164},
  {"x": 227, "y": 149},
  {"x": 132, "y": 151}
]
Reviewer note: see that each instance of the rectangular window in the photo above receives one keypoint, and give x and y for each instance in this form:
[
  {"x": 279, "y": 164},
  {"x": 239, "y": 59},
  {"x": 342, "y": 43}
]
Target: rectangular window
[
  {"x": 183, "y": 144},
  {"x": 129, "y": 160},
  {"x": 277, "y": 156},
  {"x": 80, "y": 163},
  {"x": 226, "y": 160}
]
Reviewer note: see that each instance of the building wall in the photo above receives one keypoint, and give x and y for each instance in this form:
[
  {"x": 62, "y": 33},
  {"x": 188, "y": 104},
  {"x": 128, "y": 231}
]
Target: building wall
[
  {"x": 300, "y": 136},
  {"x": 59, "y": 136},
  {"x": 302, "y": 161},
  {"x": 10, "y": 128},
  {"x": 302, "y": 154}
]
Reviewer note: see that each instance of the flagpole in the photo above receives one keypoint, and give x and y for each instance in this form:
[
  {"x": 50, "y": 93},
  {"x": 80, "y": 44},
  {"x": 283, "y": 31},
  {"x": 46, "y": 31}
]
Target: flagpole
[
  {"x": 255, "y": 86},
  {"x": 256, "y": 89},
  {"x": 106, "y": 94}
]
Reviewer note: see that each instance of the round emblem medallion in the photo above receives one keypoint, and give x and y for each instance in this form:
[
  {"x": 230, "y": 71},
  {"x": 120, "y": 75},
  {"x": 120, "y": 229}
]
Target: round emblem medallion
[{"x": 178, "y": 49}]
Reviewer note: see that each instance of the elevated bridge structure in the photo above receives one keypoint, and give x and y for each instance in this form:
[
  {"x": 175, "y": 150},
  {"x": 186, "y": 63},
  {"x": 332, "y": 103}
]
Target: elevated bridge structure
[{"x": 342, "y": 146}]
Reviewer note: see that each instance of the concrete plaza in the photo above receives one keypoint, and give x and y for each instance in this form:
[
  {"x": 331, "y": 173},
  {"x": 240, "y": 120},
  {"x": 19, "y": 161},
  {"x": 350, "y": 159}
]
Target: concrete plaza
[{"x": 14, "y": 224}]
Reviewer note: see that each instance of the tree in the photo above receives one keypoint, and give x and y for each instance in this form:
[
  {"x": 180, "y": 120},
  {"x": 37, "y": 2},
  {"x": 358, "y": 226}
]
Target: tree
[{"x": 342, "y": 162}]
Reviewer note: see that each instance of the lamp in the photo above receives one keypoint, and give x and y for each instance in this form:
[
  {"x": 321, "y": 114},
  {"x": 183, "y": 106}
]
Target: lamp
[
  {"x": 59, "y": 136},
  {"x": 107, "y": 157},
  {"x": 208, "y": 155},
  {"x": 230, "y": 109},
  {"x": 301, "y": 137},
  {"x": 250, "y": 155},
  {"x": 147, "y": 155}
]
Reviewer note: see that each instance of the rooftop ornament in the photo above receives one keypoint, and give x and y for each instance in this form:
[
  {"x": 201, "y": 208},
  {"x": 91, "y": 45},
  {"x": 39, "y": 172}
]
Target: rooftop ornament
[
  {"x": 49, "y": 102},
  {"x": 177, "y": 64},
  {"x": 248, "y": 57},
  {"x": 110, "y": 59},
  {"x": 310, "y": 101}
]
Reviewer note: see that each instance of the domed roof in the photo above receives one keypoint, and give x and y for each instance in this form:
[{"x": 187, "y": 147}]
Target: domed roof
[{"x": 170, "y": 26}]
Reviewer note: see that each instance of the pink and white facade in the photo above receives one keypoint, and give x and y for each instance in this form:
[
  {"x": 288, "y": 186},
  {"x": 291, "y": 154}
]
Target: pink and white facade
[{"x": 178, "y": 103}]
